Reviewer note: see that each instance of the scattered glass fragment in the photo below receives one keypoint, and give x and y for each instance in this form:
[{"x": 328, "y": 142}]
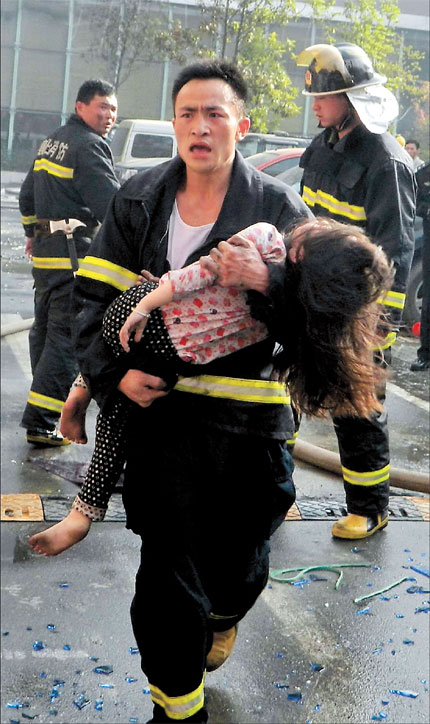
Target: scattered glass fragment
[
  {"x": 393, "y": 652},
  {"x": 279, "y": 656},
  {"x": 376, "y": 568},
  {"x": 53, "y": 712},
  {"x": 43, "y": 674},
  {"x": 395, "y": 595},
  {"x": 384, "y": 598},
  {"x": 28, "y": 716},
  {"x": 405, "y": 692},
  {"x": 399, "y": 615},
  {"x": 293, "y": 671},
  {"x": 376, "y": 651},
  {"x": 78, "y": 671},
  {"x": 356, "y": 549},
  {"x": 133, "y": 720},
  {"x": 406, "y": 550},
  {"x": 58, "y": 683},
  {"x": 63, "y": 585},
  {"x": 14, "y": 721},
  {"x": 5, "y": 633},
  {"x": 66, "y": 647},
  {"x": 107, "y": 686},
  {"x": 98, "y": 704},
  {"x": 414, "y": 630},
  {"x": 424, "y": 681},
  {"x": 317, "y": 667},
  {"x": 379, "y": 717},
  {"x": 103, "y": 669},
  {"x": 363, "y": 611},
  {"x": 280, "y": 685},
  {"x": 50, "y": 626},
  {"x": 53, "y": 694},
  {"x": 369, "y": 585},
  {"x": 269, "y": 586},
  {"x": 93, "y": 658},
  {"x": 408, "y": 642},
  {"x": 28, "y": 628},
  {"x": 16, "y": 704},
  {"x": 130, "y": 680},
  {"x": 81, "y": 702},
  {"x": 314, "y": 578},
  {"x": 421, "y": 569},
  {"x": 317, "y": 707},
  {"x": 295, "y": 696},
  {"x": 146, "y": 690},
  {"x": 382, "y": 590},
  {"x": 133, "y": 650},
  {"x": 410, "y": 559},
  {"x": 416, "y": 589},
  {"x": 38, "y": 645},
  {"x": 300, "y": 583},
  {"x": 326, "y": 605},
  {"x": 384, "y": 703},
  {"x": 422, "y": 609}
]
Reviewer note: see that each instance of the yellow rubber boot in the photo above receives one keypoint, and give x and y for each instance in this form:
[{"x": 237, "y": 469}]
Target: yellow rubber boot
[
  {"x": 354, "y": 526},
  {"x": 222, "y": 647}
]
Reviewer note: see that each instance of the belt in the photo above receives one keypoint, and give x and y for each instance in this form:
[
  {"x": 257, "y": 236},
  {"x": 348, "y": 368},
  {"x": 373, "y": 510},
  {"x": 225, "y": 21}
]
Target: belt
[
  {"x": 235, "y": 388},
  {"x": 44, "y": 226}
]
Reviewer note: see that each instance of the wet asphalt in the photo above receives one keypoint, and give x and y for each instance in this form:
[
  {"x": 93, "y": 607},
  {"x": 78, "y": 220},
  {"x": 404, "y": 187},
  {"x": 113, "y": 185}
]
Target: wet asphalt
[{"x": 305, "y": 652}]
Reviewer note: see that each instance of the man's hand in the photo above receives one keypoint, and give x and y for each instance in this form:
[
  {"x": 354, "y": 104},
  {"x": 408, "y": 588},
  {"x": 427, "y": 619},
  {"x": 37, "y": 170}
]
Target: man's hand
[
  {"x": 238, "y": 264},
  {"x": 142, "y": 388},
  {"x": 29, "y": 241}
]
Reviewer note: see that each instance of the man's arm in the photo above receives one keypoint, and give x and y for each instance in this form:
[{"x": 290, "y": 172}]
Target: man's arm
[
  {"x": 94, "y": 177},
  {"x": 27, "y": 209}
]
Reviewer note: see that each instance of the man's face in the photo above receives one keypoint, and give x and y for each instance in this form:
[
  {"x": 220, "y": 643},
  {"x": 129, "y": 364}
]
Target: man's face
[
  {"x": 411, "y": 149},
  {"x": 99, "y": 113},
  {"x": 207, "y": 125},
  {"x": 330, "y": 110}
]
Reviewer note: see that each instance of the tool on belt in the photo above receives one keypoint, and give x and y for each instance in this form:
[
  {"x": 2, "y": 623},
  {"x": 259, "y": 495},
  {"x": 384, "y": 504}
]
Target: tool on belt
[{"x": 67, "y": 226}]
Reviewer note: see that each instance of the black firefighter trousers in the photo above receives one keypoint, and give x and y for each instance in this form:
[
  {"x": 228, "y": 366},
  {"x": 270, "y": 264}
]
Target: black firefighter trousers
[{"x": 205, "y": 508}]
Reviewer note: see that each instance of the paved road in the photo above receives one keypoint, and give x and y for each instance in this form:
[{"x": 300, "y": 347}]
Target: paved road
[{"x": 305, "y": 653}]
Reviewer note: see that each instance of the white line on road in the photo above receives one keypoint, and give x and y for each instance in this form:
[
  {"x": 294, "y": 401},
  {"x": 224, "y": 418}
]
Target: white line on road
[{"x": 406, "y": 396}]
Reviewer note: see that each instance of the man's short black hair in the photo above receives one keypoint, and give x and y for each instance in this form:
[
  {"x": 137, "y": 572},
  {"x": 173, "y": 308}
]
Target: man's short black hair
[
  {"x": 412, "y": 140},
  {"x": 208, "y": 69},
  {"x": 95, "y": 87}
]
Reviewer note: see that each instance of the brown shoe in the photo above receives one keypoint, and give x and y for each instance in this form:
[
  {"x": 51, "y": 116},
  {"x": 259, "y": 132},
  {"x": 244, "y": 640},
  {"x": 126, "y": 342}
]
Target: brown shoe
[
  {"x": 222, "y": 647},
  {"x": 354, "y": 527}
]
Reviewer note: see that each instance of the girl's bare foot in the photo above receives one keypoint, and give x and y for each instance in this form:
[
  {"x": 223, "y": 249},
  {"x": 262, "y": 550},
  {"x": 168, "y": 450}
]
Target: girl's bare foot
[
  {"x": 62, "y": 535},
  {"x": 72, "y": 424}
]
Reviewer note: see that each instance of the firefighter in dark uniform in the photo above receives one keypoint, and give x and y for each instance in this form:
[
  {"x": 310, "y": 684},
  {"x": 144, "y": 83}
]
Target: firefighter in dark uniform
[
  {"x": 63, "y": 200},
  {"x": 356, "y": 172}
]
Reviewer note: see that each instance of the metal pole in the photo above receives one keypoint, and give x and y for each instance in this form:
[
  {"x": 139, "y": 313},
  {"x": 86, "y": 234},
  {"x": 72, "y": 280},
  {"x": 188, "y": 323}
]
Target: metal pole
[
  {"x": 68, "y": 62},
  {"x": 165, "y": 78},
  {"x": 306, "y": 108},
  {"x": 12, "y": 110}
]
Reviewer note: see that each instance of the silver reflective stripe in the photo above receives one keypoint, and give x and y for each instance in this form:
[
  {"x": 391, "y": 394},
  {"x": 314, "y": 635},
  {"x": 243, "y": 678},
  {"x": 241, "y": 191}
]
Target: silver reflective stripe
[{"x": 179, "y": 707}]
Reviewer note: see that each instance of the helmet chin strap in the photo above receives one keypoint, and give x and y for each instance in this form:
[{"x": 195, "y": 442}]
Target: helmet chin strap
[{"x": 348, "y": 119}]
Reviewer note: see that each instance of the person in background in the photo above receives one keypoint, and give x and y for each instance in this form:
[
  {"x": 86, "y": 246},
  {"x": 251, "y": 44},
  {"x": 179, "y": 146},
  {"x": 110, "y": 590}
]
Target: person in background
[
  {"x": 63, "y": 200},
  {"x": 423, "y": 209},
  {"x": 356, "y": 172},
  {"x": 412, "y": 147}
]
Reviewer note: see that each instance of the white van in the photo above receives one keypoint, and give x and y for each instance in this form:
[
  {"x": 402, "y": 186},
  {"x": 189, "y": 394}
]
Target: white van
[{"x": 139, "y": 143}]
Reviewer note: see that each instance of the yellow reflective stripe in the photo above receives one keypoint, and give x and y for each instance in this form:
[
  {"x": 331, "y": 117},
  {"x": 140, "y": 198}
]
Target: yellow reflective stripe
[
  {"x": 52, "y": 262},
  {"x": 102, "y": 270},
  {"x": 42, "y": 164},
  {"x": 293, "y": 440},
  {"x": 393, "y": 299},
  {"x": 388, "y": 341},
  {"x": 179, "y": 707},
  {"x": 329, "y": 202},
  {"x": 28, "y": 219},
  {"x": 366, "y": 479},
  {"x": 232, "y": 388},
  {"x": 49, "y": 403}
]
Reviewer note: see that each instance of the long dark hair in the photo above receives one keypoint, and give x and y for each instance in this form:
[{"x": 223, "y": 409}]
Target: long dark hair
[{"x": 331, "y": 291}]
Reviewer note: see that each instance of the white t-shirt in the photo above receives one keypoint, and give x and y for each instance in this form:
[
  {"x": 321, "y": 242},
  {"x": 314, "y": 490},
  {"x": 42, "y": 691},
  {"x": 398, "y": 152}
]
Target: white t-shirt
[{"x": 184, "y": 239}]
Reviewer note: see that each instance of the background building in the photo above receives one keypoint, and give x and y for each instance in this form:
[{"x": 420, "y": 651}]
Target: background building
[{"x": 46, "y": 55}]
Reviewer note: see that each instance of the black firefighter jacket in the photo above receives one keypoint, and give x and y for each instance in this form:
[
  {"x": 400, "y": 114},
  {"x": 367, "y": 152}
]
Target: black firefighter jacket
[
  {"x": 367, "y": 180},
  {"x": 134, "y": 236}
]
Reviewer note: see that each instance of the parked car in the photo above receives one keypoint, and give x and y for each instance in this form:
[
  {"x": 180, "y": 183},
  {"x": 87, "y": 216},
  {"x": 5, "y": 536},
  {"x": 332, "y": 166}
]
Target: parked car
[
  {"x": 126, "y": 170},
  {"x": 258, "y": 142},
  {"x": 284, "y": 164}
]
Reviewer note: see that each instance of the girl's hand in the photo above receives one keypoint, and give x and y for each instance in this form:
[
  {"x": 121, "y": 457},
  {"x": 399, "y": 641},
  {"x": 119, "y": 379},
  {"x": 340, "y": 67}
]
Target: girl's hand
[
  {"x": 134, "y": 322},
  {"x": 145, "y": 276}
]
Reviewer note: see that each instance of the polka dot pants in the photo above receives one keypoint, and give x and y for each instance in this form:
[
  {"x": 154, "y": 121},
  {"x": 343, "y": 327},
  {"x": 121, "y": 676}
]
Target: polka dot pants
[{"x": 108, "y": 457}]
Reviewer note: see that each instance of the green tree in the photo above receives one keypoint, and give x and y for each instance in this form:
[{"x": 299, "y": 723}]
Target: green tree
[
  {"x": 244, "y": 33},
  {"x": 134, "y": 30}
]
